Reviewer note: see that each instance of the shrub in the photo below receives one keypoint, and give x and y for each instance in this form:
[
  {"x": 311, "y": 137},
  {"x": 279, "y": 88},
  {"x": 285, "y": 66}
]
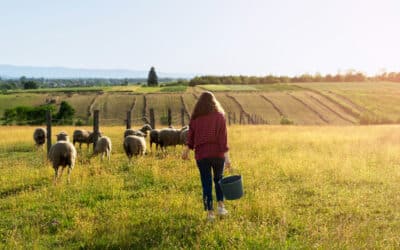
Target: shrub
[{"x": 286, "y": 121}]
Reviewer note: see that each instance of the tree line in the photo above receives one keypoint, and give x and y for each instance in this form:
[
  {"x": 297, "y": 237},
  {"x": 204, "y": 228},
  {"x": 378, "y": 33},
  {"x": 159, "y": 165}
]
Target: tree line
[{"x": 349, "y": 76}]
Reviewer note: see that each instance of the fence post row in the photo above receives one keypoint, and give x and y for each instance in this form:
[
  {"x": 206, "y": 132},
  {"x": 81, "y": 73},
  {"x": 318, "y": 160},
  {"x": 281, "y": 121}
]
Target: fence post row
[
  {"x": 95, "y": 127},
  {"x": 152, "y": 119},
  {"x": 48, "y": 128},
  {"x": 169, "y": 117},
  {"x": 183, "y": 117},
  {"x": 128, "y": 120}
]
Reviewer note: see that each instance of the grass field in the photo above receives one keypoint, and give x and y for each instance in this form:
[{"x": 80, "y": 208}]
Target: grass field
[{"x": 305, "y": 187}]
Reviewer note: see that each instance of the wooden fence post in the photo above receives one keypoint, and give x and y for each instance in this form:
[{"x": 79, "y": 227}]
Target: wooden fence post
[
  {"x": 128, "y": 120},
  {"x": 48, "y": 128},
  {"x": 183, "y": 117},
  {"x": 169, "y": 117},
  {"x": 95, "y": 127},
  {"x": 229, "y": 118},
  {"x": 152, "y": 119}
]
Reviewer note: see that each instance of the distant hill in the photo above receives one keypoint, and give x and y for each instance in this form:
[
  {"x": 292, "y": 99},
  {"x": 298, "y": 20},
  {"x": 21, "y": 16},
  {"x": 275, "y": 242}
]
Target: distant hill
[{"x": 12, "y": 71}]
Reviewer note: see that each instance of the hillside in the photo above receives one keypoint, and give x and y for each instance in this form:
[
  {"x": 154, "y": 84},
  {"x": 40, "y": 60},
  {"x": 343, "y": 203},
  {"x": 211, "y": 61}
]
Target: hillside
[{"x": 299, "y": 104}]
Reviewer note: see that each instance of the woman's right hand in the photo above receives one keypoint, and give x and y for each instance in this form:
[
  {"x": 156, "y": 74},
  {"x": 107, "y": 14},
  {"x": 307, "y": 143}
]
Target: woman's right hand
[
  {"x": 185, "y": 154},
  {"x": 227, "y": 166}
]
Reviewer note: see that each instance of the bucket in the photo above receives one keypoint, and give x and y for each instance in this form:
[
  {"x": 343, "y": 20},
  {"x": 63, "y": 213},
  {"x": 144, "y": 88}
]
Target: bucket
[{"x": 232, "y": 187}]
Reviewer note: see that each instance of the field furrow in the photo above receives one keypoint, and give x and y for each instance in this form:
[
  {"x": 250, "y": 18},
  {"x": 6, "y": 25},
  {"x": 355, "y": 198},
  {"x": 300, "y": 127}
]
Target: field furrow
[
  {"x": 295, "y": 112},
  {"x": 277, "y": 109},
  {"x": 186, "y": 110},
  {"x": 229, "y": 106},
  {"x": 313, "y": 109},
  {"x": 256, "y": 106},
  {"x": 245, "y": 118},
  {"x": 334, "y": 107}
]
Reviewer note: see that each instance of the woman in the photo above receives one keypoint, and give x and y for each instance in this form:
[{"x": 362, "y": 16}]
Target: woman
[{"x": 208, "y": 137}]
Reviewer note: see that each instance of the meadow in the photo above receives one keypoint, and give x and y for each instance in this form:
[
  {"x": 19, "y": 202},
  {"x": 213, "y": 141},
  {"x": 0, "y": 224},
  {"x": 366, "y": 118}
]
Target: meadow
[{"x": 325, "y": 187}]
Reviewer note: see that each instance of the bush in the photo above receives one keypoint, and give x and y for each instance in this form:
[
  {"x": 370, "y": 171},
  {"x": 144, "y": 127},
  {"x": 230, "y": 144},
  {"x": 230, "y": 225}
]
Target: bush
[
  {"x": 79, "y": 122},
  {"x": 164, "y": 119},
  {"x": 286, "y": 121}
]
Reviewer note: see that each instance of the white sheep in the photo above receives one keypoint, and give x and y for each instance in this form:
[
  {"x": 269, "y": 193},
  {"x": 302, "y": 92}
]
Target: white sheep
[
  {"x": 39, "y": 136},
  {"x": 103, "y": 147},
  {"x": 62, "y": 153},
  {"x": 134, "y": 146}
]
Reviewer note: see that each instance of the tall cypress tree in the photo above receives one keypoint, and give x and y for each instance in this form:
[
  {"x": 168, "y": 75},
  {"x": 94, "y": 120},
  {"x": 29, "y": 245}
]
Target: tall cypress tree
[{"x": 152, "y": 79}]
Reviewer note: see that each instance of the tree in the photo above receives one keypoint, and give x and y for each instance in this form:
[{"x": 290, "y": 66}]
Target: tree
[
  {"x": 30, "y": 85},
  {"x": 152, "y": 79},
  {"x": 65, "y": 114}
]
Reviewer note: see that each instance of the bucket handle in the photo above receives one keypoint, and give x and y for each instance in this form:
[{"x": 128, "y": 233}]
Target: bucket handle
[{"x": 232, "y": 171}]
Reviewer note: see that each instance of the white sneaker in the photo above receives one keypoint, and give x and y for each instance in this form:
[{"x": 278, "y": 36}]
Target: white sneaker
[{"x": 222, "y": 211}]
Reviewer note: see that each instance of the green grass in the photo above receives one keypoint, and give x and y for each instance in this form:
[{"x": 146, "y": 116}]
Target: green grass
[
  {"x": 213, "y": 87},
  {"x": 258, "y": 87},
  {"x": 305, "y": 187},
  {"x": 56, "y": 90}
]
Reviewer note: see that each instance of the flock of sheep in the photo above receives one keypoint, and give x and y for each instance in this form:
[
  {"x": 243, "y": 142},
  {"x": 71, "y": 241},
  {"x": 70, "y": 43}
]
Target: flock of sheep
[{"x": 63, "y": 153}]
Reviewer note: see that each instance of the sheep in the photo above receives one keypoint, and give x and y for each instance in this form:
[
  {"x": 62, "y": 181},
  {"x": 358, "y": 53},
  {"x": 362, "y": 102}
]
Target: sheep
[
  {"x": 103, "y": 147},
  {"x": 134, "y": 132},
  {"x": 169, "y": 137},
  {"x": 141, "y": 132},
  {"x": 134, "y": 146},
  {"x": 154, "y": 138},
  {"x": 83, "y": 136},
  {"x": 62, "y": 153},
  {"x": 62, "y": 136},
  {"x": 39, "y": 136}
]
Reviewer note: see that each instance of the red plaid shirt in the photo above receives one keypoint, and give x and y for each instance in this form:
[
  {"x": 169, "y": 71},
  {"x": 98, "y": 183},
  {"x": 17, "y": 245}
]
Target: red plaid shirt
[{"x": 208, "y": 136}]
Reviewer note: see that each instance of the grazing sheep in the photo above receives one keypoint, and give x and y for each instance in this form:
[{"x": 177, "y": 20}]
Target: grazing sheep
[
  {"x": 134, "y": 146},
  {"x": 39, "y": 136},
  {"x": 83, "y": 136},
  {"x": 134, "y": 132},
  {"x": 141, "y": 132},
  {"x": 103, "y": 147},
  {"x": 62, "y": 136},
  {"x": 184, "y": 135},
  {"x": 169, "y": 137},
  {"x": 154, "y": 138},
  {"x": 63, "y": 154}
]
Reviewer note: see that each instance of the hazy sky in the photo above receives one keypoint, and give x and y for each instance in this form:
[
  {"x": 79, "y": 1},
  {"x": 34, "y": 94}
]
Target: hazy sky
[{"x": 256, "y": 37}]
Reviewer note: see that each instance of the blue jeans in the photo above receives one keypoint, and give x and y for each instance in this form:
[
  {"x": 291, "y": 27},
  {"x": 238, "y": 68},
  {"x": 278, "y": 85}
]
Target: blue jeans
[{"x": 205, "y": 166}]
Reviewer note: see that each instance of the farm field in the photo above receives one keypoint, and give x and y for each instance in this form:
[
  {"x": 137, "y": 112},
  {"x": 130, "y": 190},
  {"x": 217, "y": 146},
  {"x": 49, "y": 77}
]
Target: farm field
[
  {"x": 326, "y": 187},
  {"x": 301, "y": 104},
  {"x": 379, "y": 100}
]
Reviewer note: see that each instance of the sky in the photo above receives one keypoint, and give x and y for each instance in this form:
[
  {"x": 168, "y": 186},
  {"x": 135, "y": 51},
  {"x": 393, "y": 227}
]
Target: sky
[{"x": 219, "y": 37}]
